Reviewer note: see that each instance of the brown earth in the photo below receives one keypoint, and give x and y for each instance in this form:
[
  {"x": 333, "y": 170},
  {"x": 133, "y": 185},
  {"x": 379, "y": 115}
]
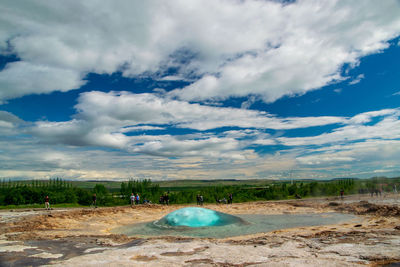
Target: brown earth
[{"x": 83, "y": 235}]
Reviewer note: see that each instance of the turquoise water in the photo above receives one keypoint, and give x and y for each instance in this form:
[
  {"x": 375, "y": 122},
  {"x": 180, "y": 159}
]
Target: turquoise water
[
  {"x": 197, "y": 217},
  {"x": 229, "y": 225}
]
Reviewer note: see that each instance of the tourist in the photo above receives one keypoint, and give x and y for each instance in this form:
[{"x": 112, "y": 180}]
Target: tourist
[
  {"x": 223, "y": 200},
  {"x": 201, "y": 200},
  {"x": 198, "y": 199},
  {"x": 47, "y": 203},
  {"x": 166, "y": 199},
  {"x": 341, "y": 194},
  {"x": 132, "y": 199},
  {"x": 94, "y": 198},
  {"x": 137, "y": 199},
  {"x": 230, "y": 198}
]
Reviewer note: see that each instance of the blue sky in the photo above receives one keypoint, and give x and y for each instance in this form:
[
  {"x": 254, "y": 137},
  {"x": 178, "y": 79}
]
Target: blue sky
[{"x": 199, "y": 89}]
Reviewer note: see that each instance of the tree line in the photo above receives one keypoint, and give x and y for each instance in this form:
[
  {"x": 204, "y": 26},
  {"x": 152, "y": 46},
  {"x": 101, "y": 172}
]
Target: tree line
[{"x": 62, "y": 191}]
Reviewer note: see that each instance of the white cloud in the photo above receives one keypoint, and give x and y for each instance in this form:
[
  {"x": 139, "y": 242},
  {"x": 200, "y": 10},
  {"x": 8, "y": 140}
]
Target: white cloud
[
  {"x": 359, "y": 146},
  {"x": 78, "y": 133},
  {"x": 386, "y": 128},
  {"x": 363, "y": 158},
  {"x": 397, "y": 93},
  {"x": 237, "y": 48},
  {"x": 357, "y": 79},
  {"x": 308, "y": 51},
  {"x": 104, "y": 119},
  {"x": 324, "y": 159},
  {"x": 9, "y": 117},
  {"x": 22, "y": 78},
  {"x": 249, "y": 102},
  {"x": 8, "y": 123},
  {"x": 367, "y": 116},
  {"x": 140, "y": 128},
  {"x": 210, "y": 147},
  {"x": 123, "y": 108}
]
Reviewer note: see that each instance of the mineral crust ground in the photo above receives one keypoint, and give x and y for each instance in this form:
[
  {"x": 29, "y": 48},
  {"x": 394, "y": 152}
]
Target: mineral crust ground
[{"x": 83, "y": 237}]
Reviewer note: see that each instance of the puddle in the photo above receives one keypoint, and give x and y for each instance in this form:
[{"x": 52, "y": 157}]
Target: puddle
[{"x": 247, "y": 224}]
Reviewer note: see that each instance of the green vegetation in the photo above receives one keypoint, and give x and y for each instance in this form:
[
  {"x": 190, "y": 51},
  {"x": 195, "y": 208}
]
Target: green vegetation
[{"x": 31, "y": 194}]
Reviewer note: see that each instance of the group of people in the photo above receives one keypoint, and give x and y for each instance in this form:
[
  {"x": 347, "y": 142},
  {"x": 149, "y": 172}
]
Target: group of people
[
  {"x": 164, "y": 199},
  {"x": 135, "y": 199},
  {"x": 224, "y": 200},
  {"x": 47, "y": 202},
  {"x": 200, "y": 200}
]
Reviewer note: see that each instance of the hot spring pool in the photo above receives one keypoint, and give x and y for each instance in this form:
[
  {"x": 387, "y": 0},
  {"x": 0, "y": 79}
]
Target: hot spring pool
[
  {"x": 197, "y": 217},
  {"x": 200, "y": 222}
]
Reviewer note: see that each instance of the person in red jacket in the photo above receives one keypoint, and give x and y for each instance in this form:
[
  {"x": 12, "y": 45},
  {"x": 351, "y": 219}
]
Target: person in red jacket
[{"x": 47, "y": 203}]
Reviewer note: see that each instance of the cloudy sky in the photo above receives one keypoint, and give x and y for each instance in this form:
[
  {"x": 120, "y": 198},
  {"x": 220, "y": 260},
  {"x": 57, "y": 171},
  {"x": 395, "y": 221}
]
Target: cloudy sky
[{"x": 199, "y": 89}]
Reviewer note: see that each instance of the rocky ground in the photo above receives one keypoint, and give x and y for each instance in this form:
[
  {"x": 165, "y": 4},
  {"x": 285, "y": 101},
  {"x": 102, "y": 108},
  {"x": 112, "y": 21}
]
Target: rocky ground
[{"x": 83, "y": 237}]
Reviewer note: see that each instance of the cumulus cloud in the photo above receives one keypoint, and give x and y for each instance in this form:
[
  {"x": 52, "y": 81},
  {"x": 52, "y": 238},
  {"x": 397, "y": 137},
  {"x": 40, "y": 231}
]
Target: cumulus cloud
[
  {"x": 78, "y": 133},
  {"x": 124, "y": 108},
  {"x": 359, "y": 145},
  {"x": 23, "y": 78},
  {"x": 290, "y": 61},
  {"x": 366, "y": 117},
  {"x": 358, "y": 159},
  {"x": 232, "y": 48},
  {"x": 9, "y": 119},
  {"x": 114, "y": 120},
  {"x": 128, "y": 129},
  {"x": 386, "y": 128},
  {"x": 209, "y": 147},
  {"x": 9, "y": 123},
  {"x": 105, "y": 119}
]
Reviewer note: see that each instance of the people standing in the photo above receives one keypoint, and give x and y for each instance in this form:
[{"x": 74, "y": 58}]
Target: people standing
[
  {"x": 230, "y": 198},
  {"x": 132, "y": 199},
  {"x": 94, "y": 198},
  {"x": 166, "y": 198},
  {"x": 137, "y": 199},
  {"x": 341, "y": 194},
  {"x": 47, "y": 203}
]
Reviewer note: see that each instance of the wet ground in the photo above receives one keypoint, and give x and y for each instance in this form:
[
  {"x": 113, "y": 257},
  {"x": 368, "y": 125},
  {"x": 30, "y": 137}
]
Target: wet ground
[
  {"x": 84, "y": 237},
  {"x": 246, "y": 224}
]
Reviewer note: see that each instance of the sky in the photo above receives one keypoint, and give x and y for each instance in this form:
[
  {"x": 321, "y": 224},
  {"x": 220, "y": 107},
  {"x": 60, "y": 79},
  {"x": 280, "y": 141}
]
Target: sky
[{"x": 199, "y": 89}]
